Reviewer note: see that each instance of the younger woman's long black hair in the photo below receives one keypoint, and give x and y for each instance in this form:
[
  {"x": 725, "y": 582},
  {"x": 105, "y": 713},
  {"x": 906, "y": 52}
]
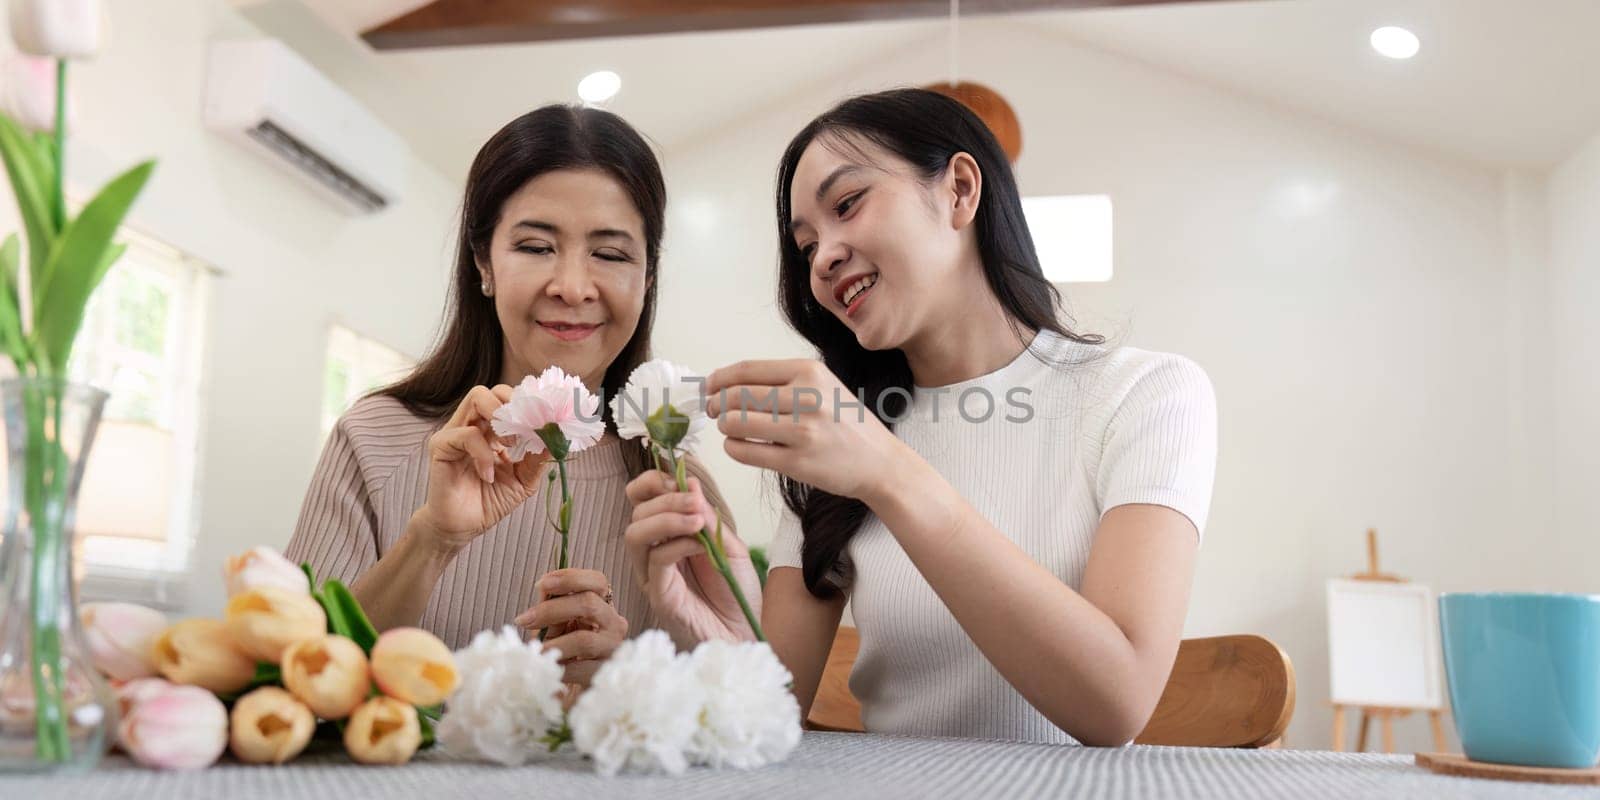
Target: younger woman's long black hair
[{"x": 926, "y": 130}]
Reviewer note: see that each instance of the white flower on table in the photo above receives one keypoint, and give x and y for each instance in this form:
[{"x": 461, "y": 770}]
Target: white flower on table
[
  {"x": 750, "y": 718},
  {"x": 508, "y": 701},
  {"x": 641, "y": 710}
]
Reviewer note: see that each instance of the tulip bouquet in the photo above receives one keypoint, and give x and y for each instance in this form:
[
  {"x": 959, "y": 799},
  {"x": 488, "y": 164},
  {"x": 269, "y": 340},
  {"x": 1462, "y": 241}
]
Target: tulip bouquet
[{"x": 284, "y": 656}]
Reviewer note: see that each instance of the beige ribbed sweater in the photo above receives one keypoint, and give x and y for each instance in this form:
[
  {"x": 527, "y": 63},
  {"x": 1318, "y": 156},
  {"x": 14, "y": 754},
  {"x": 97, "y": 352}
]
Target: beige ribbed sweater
[{"x": 374, "y": 474}]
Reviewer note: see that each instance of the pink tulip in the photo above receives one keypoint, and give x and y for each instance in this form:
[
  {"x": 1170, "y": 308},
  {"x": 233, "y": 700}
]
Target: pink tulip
[
  {"x": 121, "y": 636},
  {"x": 263, "y": 566},
  {"x": 181, "y": 727},
  {"x": 134, "y": 692},
  {"x": 131, "y": 694},
  {"x": 28, "y": 92},
  {"x": 57, "y": 28}
]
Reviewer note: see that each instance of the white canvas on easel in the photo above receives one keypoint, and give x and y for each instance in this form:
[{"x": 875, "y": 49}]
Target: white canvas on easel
[{"x": 1383, "y": 645}]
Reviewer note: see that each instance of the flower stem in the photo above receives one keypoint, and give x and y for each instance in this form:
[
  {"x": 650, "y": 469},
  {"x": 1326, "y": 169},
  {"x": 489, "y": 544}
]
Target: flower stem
[
  {"x": 721, "y": 561},
  {"x": 566, "y": 512},
  {"x": 58, "y": 200},
  {"x": 718, "y": 557},
  {"x": 46, "y": 500},
  {"x": 558, "y": 735},
  {"x": 563, "y": 523}
]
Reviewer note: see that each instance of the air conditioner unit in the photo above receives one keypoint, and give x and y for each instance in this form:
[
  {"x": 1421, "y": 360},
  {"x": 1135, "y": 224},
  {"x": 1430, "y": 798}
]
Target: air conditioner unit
[{"x": 262, "y": 94}]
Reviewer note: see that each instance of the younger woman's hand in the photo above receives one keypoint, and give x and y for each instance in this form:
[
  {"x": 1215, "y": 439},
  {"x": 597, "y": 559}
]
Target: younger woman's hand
[{"x": 821, "y": 436}]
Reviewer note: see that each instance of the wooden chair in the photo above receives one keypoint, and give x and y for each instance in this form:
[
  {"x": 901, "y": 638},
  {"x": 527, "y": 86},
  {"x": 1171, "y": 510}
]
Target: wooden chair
[{"x": 1225, "y": 691}]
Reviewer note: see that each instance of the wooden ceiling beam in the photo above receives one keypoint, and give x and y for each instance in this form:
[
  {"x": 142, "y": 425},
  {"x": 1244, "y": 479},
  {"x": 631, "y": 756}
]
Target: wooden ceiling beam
[{"x": 458, "y": 23}]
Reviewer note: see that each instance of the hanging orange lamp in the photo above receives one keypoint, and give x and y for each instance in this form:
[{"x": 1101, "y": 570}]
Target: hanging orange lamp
[{"x": 991, "y": 108}]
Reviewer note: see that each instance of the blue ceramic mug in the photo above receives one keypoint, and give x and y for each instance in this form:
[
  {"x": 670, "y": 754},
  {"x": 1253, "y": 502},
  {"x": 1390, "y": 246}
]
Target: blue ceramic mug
[{"x": 1524, "y": 675}]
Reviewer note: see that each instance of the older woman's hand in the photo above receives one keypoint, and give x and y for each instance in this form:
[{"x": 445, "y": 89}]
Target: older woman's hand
[
  {"x": 472, "y": 483},
  {"x": 575, "y": 605}
]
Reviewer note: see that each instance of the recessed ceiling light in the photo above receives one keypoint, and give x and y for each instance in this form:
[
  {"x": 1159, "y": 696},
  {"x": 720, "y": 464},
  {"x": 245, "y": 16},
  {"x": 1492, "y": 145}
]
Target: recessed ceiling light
[
  {"x": 598, "y": 87},
  {"x": 1395, "y": 42}
]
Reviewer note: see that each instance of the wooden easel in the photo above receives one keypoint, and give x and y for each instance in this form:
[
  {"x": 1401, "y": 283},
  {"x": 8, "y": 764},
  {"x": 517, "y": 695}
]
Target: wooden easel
[{"x": 1385, "y": 716}]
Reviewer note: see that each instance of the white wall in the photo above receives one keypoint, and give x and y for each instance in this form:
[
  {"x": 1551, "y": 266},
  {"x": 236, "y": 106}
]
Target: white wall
[
  {"x": 1346, "y": 295},
  {"x": 1573, "y": 345},
  {"x": 290, "y": 264}
]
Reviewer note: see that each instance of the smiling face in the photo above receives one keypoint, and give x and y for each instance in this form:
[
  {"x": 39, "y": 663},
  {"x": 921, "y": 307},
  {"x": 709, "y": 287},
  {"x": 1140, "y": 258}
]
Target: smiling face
[
  {"x": 888, "y": 252},
  {"x": 566, "y": 266}
]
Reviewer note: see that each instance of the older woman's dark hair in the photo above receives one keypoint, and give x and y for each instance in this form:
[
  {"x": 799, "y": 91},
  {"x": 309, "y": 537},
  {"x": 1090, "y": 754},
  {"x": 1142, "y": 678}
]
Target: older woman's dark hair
[{"x": 471, "y": 350}]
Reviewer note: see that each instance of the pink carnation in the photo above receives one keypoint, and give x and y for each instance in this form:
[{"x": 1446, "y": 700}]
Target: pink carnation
[{"x": 552, "y": 399}]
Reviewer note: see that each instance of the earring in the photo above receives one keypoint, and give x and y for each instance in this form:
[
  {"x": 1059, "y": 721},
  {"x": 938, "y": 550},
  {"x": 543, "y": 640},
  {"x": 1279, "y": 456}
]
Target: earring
[{"x": 484, "y": 287}]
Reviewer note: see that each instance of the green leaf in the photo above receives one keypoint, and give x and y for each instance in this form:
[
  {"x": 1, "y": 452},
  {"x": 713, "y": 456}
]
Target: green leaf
[
  {"x": 79, "y": 261},
  {"x": 427, "y": 718},
  {"x": 427, "y": 731},
  {"x": 28, "y": 163},
  {"x": 11, "y": 264},
  {"x": 362, "y": 631},
  {"x": 337, "y": 624},
  {"x": 311, "y": 577},
  {"x": 11, "y": 337},
  {"x": 758, "y": 557},
  {"x": 557, "y": 736},
  {"x": 566, "y": 516},
  {"x": 267, "y": 674},
  {"x": 56, "y": 322}
]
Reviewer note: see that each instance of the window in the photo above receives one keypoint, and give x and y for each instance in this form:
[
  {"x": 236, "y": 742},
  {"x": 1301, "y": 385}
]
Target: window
[
  {"x": 356, "y": 365},
  {"x": 141, "y": 340},
  {"x": 1073, "y": 236}
]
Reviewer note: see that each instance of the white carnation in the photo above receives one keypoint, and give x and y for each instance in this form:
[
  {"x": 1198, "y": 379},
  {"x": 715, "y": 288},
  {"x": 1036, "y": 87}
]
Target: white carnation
[
  {"x": 509, "y": 699},
  {"x": 652, "y": 385},
  {"x": 750, "y": 717},
  {"x": 641, "y": 709}
]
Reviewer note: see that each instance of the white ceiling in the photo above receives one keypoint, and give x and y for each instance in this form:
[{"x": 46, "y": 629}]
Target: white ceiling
[
  {"x": 1500, "y": 82},
  {"x": 1497, "y": 82}
]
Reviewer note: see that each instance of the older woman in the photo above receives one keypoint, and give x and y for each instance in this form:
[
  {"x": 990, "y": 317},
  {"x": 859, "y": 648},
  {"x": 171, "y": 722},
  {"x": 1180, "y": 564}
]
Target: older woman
[{"x": 414, "y": 501}]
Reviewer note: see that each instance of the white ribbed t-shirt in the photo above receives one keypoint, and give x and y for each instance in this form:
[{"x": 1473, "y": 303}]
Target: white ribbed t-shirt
[{"x": 1075, "y": 430}]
